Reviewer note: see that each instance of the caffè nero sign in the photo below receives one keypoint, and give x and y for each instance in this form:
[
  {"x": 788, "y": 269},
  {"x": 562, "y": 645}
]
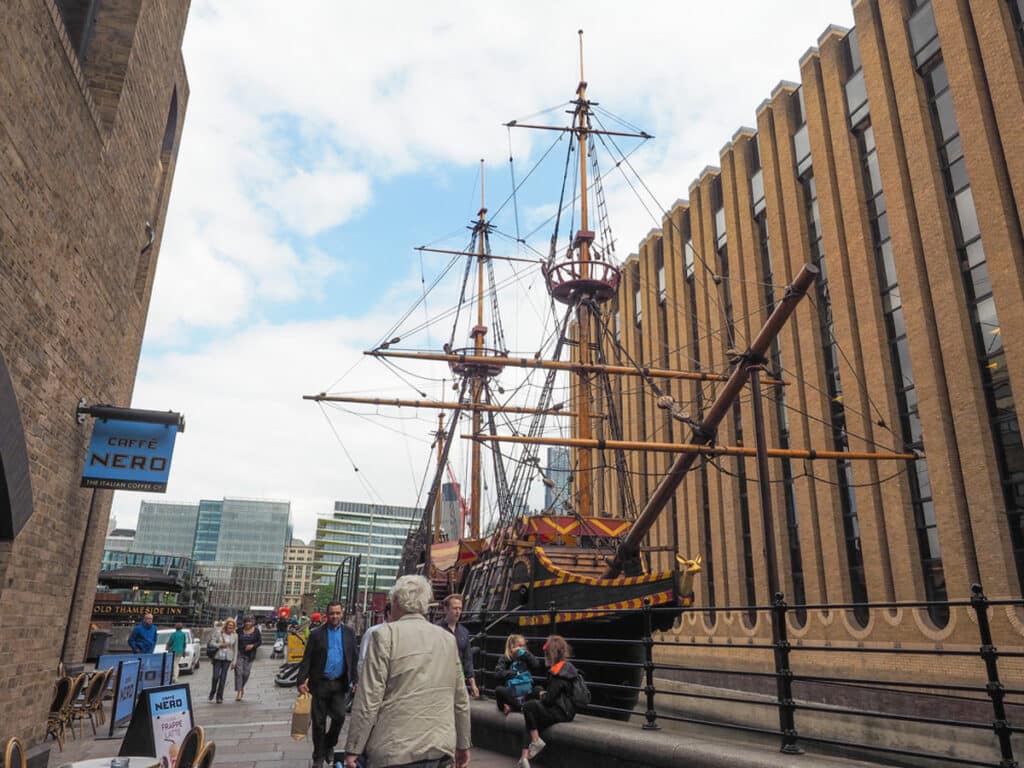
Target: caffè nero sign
[{"x": 130, "y": 449}]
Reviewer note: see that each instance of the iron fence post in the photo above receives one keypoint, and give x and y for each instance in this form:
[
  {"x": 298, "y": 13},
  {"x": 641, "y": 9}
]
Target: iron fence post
[
  {"x": 651, "y": 714},
  {"x": 989, "y": 653},
  {"x": 553, "y": 615},
  {"x": 481, "y": 642},
  {"x": 784, "y": 677}
]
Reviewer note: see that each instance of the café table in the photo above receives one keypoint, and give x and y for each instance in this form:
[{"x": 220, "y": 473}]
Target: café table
[{"x": 104, "y": 762}]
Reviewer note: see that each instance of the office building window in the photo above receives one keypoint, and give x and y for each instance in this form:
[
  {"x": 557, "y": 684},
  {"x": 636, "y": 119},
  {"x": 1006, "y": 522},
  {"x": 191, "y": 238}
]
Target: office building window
[
  {"x": 796, "y": 567},
  {"x": 837, "y": 413},
  {"x": 725, "y": 293},
  {"x": 638, "y": 315},
  {"x": 918, "y": 478},
  {"x": 707, "y": 540},
  {"x": 995, "y": 378},
  {"x": 1017, "y": 12}
]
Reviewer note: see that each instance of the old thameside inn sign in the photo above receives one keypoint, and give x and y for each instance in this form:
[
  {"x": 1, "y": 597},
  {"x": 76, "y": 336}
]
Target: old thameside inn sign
[{"x": 130, "y": 449}]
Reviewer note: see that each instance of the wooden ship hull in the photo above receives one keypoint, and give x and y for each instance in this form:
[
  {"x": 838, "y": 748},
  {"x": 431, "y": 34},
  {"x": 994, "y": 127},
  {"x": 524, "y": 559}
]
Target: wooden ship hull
[{"x": 546, "y": 579}]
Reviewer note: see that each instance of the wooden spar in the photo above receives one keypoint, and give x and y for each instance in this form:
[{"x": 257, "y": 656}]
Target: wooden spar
[
  {"x": 470, "y": 253},
  {"x": 452, "y": 406},
  {"x": 560, "y": 365},
  {"x": 695, "y": 448},
  {"x": 563, "y": 129},
  {"x": 630, "y": 545}
]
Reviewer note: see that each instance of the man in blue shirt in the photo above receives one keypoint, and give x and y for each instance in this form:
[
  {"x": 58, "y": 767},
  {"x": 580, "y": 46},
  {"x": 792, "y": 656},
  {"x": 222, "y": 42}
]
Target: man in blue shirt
[
  {"x": 143, "y": 637},
  {"x": 327, "y": 672}
]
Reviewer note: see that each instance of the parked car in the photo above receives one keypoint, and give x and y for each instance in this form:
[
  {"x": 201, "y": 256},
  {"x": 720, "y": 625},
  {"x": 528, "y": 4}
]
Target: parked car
[{"x": 189, "y": 662}]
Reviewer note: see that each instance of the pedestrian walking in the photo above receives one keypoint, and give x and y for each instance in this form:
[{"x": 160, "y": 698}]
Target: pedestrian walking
[
  {"x": 226, "y": 640},
  {"x": 555, "y": 704},
  {"x": 365, "y": 642},
  {"x": 450, "y": 622},
  {"x": 515, "y": 669},
  {"x": 249, "y": 639},
  {"x": 176, "y": 647},
  {"x": 327, "y": 671},
  {"x": 143, "y": 637},
  {"x": 411, "y": 707}
]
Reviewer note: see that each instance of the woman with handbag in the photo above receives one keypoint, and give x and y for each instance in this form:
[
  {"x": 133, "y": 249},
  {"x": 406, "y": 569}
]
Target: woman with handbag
[
  {"x": 514, "y": 670},
  {"x": 226, "y": 640},
  {"x": 249, "y": 639}
]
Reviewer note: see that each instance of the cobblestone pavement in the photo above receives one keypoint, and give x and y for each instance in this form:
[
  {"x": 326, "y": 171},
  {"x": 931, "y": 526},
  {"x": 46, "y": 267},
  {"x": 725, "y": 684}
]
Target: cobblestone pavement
[{"x": 252, "y": 733}]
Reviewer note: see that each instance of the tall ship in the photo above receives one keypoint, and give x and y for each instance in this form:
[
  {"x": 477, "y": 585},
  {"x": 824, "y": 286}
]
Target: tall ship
[{"x": 571, "y": 566}]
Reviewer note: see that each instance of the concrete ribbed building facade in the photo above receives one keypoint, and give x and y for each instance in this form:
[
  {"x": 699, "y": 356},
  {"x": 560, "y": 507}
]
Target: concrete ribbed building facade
[{"x": 896, "y": 165}]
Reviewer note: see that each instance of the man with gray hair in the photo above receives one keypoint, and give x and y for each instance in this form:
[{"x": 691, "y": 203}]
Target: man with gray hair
[{"x": 411, "y": 709}]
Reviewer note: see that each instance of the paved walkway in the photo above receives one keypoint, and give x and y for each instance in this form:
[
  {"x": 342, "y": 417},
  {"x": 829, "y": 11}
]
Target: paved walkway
[{"x": 252, "y": 733}]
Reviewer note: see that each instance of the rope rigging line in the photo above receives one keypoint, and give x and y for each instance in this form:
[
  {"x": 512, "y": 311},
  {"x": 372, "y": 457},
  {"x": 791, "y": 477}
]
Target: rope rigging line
[
  {"x": 881, "y": 422},
  {"x": 536, "y": 165},
  {"x": 370, "y": 491},
  {"x": 391, "y": 332},
  {"x": 868, "y": 442},
  {"x": 512, "y": 172},
  {"x": 517, "y": 276},
  {"x": 462, "y": 295},
  {"x": 664, "y": 213}
]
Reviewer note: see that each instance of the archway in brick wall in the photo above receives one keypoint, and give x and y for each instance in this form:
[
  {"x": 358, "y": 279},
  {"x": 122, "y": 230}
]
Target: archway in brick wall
[{"x": 15, "y": 482}]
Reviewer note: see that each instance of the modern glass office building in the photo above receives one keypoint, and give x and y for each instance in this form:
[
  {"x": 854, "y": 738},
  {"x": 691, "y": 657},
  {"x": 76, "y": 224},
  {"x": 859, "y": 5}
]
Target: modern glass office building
[
  {"x": 239, "y": 542},
  {"x": 166, "y": 528},
  {"x": 558, "y": 472},
  {"x": 244, "y": 531},
  {"x": 377, "y": 532}
]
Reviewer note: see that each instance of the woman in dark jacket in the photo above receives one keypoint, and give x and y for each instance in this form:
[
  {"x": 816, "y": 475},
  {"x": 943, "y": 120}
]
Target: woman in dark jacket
[
  {"x": 249, "y": 639},
  {"x": 555, "y": 703},
  {"x": 515, "y": 669}
]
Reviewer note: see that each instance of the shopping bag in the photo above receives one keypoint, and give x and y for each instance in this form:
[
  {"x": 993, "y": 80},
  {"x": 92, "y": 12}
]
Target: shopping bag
[{"x": 301, "y": 716}]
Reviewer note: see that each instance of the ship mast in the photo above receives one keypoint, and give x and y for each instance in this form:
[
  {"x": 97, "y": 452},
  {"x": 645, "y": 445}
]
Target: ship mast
[
  {"x": 583, "y": 239},
  {"x": 436, "y": 534},
  {"x": 479, "y": 331}
]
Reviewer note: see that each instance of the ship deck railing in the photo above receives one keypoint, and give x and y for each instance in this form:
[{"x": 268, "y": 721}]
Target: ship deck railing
[{"x": 984, "y": 705}]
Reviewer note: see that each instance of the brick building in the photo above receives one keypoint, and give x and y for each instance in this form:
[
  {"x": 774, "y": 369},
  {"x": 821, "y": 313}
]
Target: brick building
[
  {"x": 94, "y": 95},
  {"x": 298, "y": 573},
  {"x": 897, "y": 166}
]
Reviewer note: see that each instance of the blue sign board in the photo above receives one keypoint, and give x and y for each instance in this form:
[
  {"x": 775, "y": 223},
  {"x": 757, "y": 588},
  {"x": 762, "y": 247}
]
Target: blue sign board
[
  {"x": 129, "y": 455},
  {"x": 127, "y": 687},
  {"x": 154, "y": 668}
]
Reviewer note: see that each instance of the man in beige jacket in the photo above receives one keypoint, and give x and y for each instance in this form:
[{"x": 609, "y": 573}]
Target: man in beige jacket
[{"x": 411, "y": 709}]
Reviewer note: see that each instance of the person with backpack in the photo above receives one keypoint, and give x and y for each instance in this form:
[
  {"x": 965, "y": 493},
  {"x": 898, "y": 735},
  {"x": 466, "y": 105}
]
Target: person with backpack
[
  {"x": 515, "y": 670},
  {"x": 566, "y": 693}
]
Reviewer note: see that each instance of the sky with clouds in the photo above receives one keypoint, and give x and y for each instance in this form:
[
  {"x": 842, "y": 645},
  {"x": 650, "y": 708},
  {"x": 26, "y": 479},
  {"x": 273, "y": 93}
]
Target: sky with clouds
[{"x": 324, "y": 141}]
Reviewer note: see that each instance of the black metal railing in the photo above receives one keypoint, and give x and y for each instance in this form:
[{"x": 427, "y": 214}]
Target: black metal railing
[{"x": 989, "y": 695}]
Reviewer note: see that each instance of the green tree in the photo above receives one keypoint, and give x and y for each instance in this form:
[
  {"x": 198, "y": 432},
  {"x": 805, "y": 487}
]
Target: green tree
[{"x": 324, "y": 595}]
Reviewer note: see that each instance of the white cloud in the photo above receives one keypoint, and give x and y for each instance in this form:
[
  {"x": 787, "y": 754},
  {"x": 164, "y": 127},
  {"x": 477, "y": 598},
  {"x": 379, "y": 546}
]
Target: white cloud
[
  {"x": 297, "y": 115},
  {"x": 314, "y": 201}
]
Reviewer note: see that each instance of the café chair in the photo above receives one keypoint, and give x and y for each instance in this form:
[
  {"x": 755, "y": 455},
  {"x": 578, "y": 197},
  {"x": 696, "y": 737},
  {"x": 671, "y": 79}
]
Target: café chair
[
  {"x": 55, "y": 722},
  {"x": 85, "y": 707},
  {"x": 191, "y": 747},
  {"x": 77, "y": 685},
  {"x": 101, "y": 696},
  {"x": 205, "y": 758},
  {"x": 14, "y": 754}
]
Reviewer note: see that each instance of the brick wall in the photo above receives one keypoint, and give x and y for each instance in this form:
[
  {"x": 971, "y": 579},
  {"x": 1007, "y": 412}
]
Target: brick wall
[
  {"x": 983, "y": 57},
  {"x": 78, "y": 144}
]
